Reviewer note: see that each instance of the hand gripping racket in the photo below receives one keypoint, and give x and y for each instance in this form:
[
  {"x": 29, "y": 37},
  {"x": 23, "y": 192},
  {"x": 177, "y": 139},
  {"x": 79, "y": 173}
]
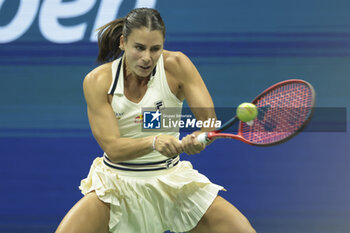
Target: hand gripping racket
[{"x": 284, "y": 109}]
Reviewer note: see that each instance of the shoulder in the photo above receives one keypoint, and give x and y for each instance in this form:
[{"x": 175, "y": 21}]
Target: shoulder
[
  {"x": 99, "y": 79},
  {"x": 174, "y": 60},
  {"x": 178, "y": 64}
]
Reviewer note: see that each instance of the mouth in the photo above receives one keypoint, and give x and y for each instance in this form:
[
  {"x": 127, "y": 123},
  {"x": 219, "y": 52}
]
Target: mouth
[{"x": 145, "y": 68}]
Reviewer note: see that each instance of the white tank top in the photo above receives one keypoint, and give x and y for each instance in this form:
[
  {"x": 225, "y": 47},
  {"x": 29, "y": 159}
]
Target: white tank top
[{"x": 129, "y": 114}]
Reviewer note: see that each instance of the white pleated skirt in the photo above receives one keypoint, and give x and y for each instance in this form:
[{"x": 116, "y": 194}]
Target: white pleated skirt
[{"x": 172, "y": 199}]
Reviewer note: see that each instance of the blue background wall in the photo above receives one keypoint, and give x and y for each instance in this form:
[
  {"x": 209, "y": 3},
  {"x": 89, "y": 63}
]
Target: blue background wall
[{"x": 240, "y": 48}]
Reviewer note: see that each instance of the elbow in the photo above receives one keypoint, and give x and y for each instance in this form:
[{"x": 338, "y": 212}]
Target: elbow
[
  {"x": 112, "y": 149},
  {"x": 113, "y": 153}
]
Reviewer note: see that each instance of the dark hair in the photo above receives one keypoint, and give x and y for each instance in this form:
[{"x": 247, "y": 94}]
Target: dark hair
[{"x": 109, "y": 34}]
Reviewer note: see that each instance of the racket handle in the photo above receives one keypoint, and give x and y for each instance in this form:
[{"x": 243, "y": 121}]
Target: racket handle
[{"x": 203, "y": 138}]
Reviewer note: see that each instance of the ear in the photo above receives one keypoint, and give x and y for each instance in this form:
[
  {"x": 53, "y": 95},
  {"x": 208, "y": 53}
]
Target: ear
[{"x": 121, "y": 42}]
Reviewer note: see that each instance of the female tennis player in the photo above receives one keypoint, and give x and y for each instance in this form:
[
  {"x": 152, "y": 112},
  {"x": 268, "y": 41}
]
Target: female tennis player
[{"x": 139, "y": 185}]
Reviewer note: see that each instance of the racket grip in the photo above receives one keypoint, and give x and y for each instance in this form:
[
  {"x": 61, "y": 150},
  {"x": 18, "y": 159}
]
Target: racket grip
[{"x": 203, "y": 138}]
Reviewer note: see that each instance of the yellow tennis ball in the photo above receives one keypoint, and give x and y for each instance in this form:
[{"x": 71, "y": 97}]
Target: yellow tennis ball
[{"x": 247, "y": 112}]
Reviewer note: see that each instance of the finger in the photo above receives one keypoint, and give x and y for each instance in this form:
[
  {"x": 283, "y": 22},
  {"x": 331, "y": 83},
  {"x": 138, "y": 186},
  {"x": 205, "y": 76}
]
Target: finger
[
  {"x": 178, "y": 146},
  {"x": 195, "y": 140},
  {"x": 186, "y": 142},
  {"x": 164, "y": 145},
  {"x": 190, "y": 148},
  {"x": 165, "y": 151},
  {"x": 198, "y": 149},
  {"x": 198, "y": 146},
  {"x": 194, "y": 147},
  {"x": 174, "y": 148}
]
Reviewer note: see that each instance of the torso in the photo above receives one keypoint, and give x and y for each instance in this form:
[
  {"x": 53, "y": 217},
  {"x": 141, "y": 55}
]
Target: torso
[{"x": 129, "y": 99}]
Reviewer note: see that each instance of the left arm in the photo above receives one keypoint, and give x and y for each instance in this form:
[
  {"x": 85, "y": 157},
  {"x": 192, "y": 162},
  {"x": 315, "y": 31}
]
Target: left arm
[{"x": 190, "y": 86}]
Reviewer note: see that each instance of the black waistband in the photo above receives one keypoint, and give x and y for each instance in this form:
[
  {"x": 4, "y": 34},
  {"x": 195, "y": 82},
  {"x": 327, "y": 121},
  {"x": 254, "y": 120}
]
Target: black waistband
[{"x": 153, "y": 166}]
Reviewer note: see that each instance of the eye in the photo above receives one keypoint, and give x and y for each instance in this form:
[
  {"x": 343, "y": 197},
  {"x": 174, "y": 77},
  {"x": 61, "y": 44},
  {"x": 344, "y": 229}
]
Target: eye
[
  {"x": 156, "y": 49},
  {"x": 139, "y": 47}
]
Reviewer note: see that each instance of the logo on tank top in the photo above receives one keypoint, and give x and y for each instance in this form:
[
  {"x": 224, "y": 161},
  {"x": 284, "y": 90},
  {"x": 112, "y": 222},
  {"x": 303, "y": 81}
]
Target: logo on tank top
[
  {"x": 138, "y": 119},
  {"x": 119, "y": 115},
  {"x": 159, "y": 105}
]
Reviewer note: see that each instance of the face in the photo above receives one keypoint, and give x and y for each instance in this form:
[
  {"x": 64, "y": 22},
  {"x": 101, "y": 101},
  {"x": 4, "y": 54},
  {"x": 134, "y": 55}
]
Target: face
[{"x": 142, "y": 50}]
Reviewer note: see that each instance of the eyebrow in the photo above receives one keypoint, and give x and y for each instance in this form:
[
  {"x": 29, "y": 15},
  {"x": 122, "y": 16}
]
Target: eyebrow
[{"x": 153, "y": 46}]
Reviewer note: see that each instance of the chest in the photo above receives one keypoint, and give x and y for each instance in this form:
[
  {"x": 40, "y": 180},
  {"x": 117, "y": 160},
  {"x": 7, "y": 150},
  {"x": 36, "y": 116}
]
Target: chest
[
  {"x": 132, "y": 102},
  {"x": 135, "y": 93}
]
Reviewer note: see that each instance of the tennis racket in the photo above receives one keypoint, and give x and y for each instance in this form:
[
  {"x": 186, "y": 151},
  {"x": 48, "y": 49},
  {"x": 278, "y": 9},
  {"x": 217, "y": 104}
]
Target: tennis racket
[{"x": 284, "y": 109}]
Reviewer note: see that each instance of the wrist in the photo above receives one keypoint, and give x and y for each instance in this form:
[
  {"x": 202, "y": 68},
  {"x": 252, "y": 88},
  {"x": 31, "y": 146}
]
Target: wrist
[{"x": 154, "y": 142}]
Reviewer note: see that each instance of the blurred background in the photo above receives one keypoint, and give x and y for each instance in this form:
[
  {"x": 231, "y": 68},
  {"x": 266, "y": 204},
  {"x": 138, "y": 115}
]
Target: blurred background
[{"x": 239, "y": 47}]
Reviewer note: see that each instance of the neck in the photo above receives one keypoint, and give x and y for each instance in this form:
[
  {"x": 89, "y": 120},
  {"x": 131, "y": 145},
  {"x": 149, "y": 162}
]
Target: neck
[{"x": 131, "y": 77}]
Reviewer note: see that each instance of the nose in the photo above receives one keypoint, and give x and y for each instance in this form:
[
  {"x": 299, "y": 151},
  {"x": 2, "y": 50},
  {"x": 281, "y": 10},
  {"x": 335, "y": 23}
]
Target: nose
[{"x": 146, "y": 58}]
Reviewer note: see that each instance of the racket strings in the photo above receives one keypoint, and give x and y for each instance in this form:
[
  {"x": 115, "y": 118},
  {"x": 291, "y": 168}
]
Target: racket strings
[{"x": 282, "y": 111}]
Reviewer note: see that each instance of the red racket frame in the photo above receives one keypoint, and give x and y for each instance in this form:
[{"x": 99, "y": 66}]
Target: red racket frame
[{"x": 240, "y": 135}]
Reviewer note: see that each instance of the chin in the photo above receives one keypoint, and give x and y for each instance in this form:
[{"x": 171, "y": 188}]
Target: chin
[
  {"x": 143, "y": 74},
  {"x": 140, "y": 74}
]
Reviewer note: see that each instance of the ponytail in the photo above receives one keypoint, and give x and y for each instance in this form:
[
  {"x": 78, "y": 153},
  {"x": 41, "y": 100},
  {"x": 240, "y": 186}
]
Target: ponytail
[{"x": 109, "y": 40}]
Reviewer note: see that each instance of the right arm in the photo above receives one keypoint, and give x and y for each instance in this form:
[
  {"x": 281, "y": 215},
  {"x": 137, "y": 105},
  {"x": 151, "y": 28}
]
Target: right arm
[{"x": 104, "y": 125}]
